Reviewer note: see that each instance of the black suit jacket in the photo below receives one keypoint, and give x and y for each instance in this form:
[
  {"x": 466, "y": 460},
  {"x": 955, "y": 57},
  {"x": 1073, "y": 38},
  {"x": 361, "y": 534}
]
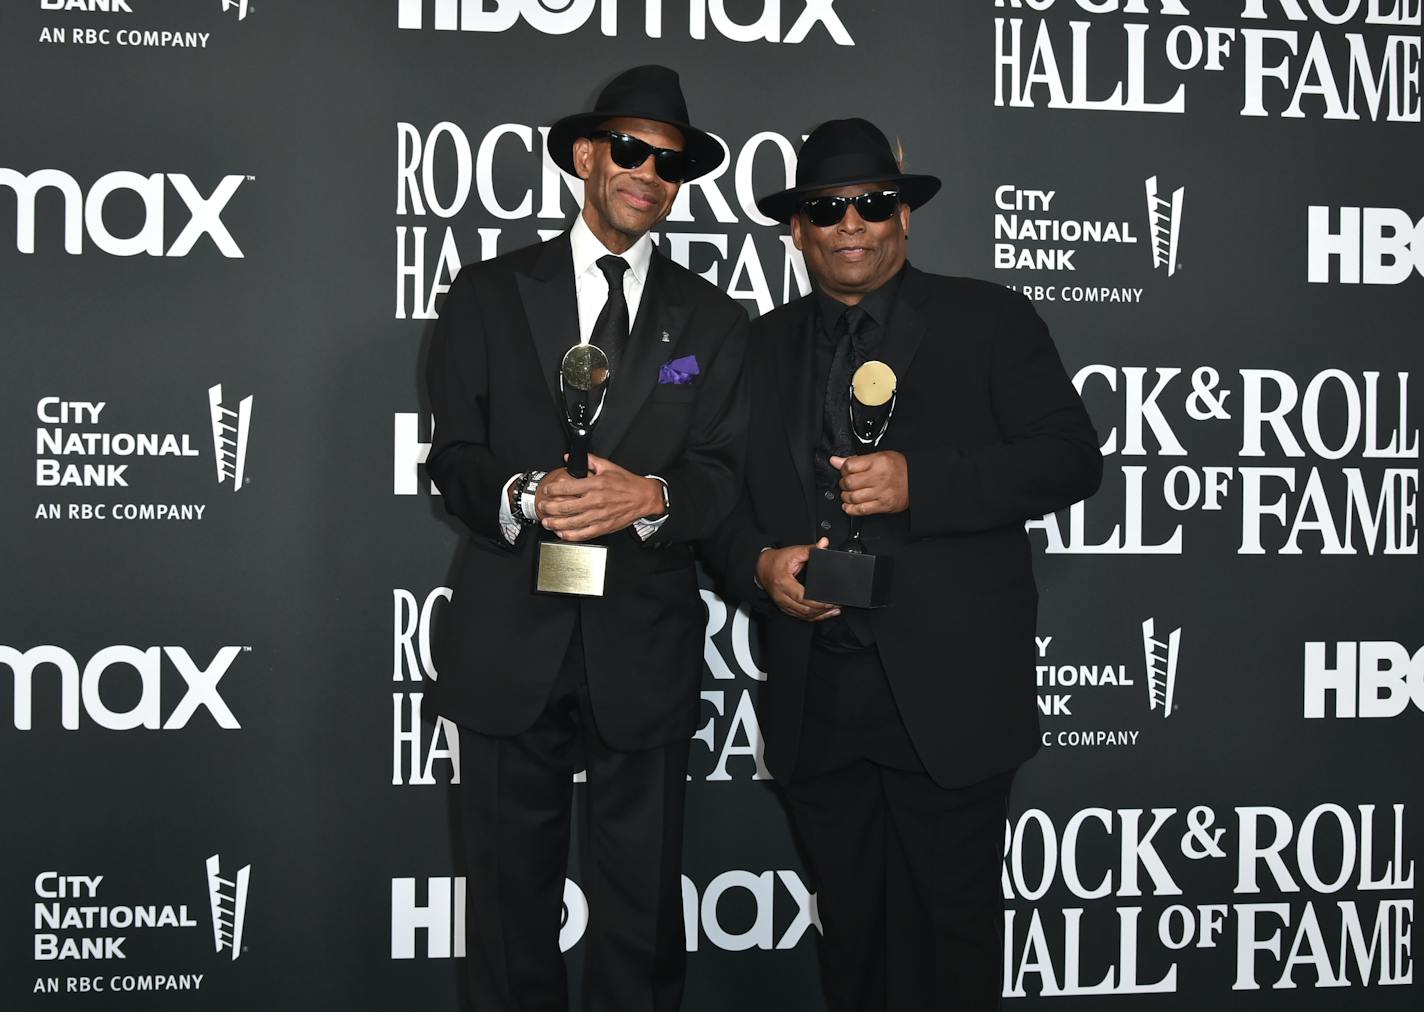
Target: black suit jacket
[
  {"x": 994, "y": 434},
  {"x": 503, "y": 330}
]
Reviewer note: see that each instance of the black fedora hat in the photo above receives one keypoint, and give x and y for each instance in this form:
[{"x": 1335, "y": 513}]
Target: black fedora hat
[
  {"x": 842, "y": 152},
  {"x": 648, "y": 92}
]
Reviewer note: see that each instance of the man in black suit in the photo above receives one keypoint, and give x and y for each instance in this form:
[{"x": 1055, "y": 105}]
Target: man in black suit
[
  {"x": 545, "y": 685},
  {"x": 895, "y": 731}
]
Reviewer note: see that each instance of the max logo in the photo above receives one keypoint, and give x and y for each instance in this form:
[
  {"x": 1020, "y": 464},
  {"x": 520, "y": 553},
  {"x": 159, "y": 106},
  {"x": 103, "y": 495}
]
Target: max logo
[
  {"x": 85, "y": 212},
  {"x": 202, "y": 686}
]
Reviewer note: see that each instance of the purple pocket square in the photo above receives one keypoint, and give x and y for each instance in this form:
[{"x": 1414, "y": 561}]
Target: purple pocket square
[{"x": 679, "y": 371}]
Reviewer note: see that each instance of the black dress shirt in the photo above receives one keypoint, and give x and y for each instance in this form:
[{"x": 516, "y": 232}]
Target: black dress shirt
[{"x": 850, "y": 631}]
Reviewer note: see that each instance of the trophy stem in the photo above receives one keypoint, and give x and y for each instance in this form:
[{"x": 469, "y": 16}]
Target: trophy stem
[
  {"x": 578, "y": 454},
  {"x": 853, "y": 545}
]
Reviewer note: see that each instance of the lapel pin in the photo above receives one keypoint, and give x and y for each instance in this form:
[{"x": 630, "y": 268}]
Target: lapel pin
[{"x": 666, "y": 339}]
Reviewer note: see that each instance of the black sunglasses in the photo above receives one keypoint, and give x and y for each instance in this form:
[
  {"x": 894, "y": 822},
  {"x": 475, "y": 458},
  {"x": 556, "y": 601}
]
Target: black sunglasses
[
  {"x": 876, "y": 205},
  {"x": 630, "y": 152}
]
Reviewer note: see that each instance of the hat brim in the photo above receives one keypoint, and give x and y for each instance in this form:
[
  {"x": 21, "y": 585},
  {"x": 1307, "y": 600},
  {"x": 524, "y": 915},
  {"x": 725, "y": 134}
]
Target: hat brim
[
  {"x": 915, "y": 190},
  {"x": 703, "y": 151}
]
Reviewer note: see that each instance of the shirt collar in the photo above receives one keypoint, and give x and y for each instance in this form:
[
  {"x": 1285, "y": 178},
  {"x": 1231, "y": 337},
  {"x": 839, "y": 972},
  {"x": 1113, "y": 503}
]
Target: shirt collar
[
  {"x": 587, "y": 249},
  {"x": 876, "y": 304}
]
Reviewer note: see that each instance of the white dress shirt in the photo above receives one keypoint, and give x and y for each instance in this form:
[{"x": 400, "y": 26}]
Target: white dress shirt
[
  {"x": 591, "y": 292},
  {"x": 590, "y": 284}
]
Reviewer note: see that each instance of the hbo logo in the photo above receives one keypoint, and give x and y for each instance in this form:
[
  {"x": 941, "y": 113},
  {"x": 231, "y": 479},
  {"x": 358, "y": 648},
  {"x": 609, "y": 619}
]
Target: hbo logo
[
  {"x": 1374, "y": 245},
  {"x": 1372, "y": 679}
]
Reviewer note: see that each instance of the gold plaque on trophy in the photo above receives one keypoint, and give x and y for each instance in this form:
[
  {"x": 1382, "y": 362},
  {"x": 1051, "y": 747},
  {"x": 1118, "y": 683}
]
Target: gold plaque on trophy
[{"x": 571, "y": 569}]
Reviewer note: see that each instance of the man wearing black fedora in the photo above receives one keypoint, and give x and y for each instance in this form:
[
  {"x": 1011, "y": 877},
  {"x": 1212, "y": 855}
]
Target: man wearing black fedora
[
  {"x": 544, "y": 685},
  {"x": 895, "y": 731}
]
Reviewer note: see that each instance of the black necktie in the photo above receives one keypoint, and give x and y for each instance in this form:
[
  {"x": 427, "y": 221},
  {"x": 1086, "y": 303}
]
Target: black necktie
[
  {"x": 850, "y": 355},
  {"x": 610, "y": 330}
]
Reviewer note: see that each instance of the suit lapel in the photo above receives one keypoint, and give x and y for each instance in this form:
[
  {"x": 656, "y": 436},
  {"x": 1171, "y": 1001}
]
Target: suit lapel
[
  {"x": 794, "y": 365},
  {"x": 633, "y": 380},
  {"x": 907, "y": 326},
  {"x": 551, "y": 307}
]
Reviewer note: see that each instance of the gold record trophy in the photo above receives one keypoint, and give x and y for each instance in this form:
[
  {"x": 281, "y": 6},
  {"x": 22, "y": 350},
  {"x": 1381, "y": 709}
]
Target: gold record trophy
[
  {"x": 564, "y": 567},
  {"x": 849, "y": 575}
]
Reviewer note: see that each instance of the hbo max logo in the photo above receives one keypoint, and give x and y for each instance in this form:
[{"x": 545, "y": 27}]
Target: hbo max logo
[
  {"x": 1371, "y": 679},
  {"x": 785, "y": 913},
  {"x": 560, "y": 17},
  {"x": 440, "y": 919}
]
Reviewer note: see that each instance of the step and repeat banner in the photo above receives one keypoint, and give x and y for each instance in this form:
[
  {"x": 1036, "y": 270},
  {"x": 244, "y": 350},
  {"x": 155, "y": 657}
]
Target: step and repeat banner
[{"x": 226, "y": 227}]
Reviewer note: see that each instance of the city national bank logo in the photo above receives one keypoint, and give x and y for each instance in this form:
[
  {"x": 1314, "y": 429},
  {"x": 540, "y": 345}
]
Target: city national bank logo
[
  {"x": 1371, "y": 679},
  {"x": 560, "y": 17},
  {"x": 121, "y": 712},
  {"x": 77, "y": 446},
  {"x": 1364, "y": 245},
  {"x": 1095, "y": 704},
  {"x": 84, "y": 919},
  {"x": 88, "y": 6},
  {"x": 1165, "y": 222},
  {"x": 1043, "y": 232},
  {"x": 1161, "y": 656},
  {"x": 100, "y": 32},
  {"x": 161, "y": 194},
  {"x": 228, "y": 899},
  {"x": 229, "y": 435}
]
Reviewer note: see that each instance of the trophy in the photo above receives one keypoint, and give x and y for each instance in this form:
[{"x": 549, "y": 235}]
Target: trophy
[
  {"x": 565, "y": 568},
  {"x": 849, "y": 575}
]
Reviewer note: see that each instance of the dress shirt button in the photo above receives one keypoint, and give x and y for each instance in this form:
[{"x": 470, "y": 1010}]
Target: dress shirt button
[
  {"x": 825, "y": 525},
  {"x": 830, "y": 496}
]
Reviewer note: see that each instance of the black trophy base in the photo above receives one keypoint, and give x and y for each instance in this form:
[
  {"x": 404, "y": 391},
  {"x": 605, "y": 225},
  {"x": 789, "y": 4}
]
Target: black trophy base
[{"x": 847, "y": 578}]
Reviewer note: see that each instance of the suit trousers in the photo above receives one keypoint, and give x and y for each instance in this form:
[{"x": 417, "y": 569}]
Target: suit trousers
[
  {"x": 516, "y": 799},
  {"x": 907, "y": 873}
]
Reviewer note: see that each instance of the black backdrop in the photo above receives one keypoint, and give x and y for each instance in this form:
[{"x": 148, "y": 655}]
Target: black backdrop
[{"x": 1214, "y": 206}]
